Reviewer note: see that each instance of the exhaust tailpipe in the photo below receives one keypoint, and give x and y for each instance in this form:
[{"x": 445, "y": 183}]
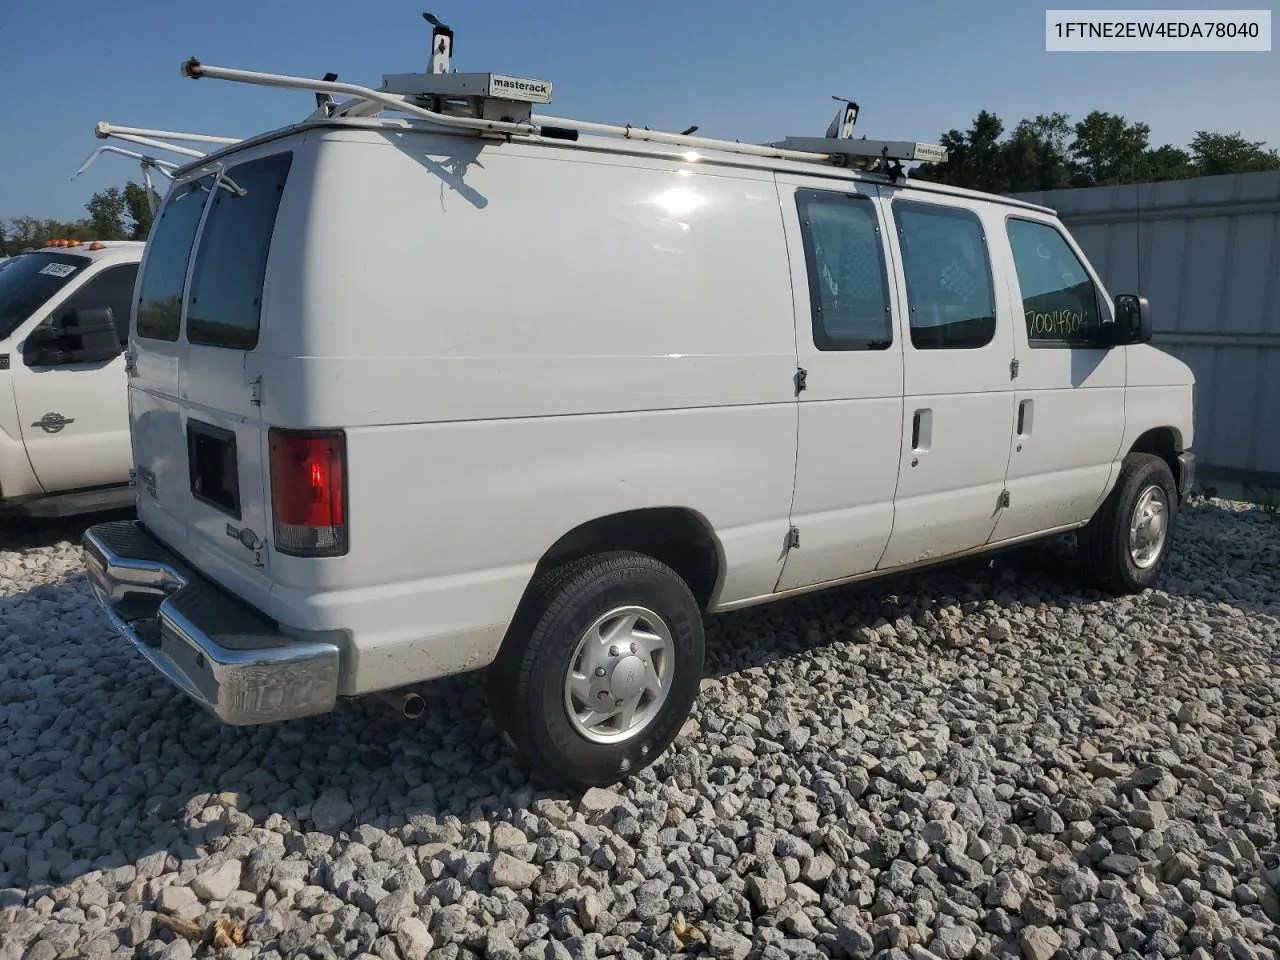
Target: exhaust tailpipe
[{"x": 408, "y": 704}]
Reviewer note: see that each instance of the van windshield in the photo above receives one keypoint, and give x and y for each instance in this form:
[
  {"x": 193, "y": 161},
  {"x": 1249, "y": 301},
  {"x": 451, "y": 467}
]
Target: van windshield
[{"x": 29, "y": 280}]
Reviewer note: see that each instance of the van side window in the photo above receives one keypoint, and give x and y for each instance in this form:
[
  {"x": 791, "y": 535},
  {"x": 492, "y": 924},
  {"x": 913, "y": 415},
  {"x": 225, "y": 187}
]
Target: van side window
[
  {"x": 112, "y": 288},
  {"x": 848, "y": 284},
  {"x": 169, "y": 249},
  {"x": 226, "y": 285},
  {"x": 949, "y": 285},
  {"x": 1059, "y": 300}
]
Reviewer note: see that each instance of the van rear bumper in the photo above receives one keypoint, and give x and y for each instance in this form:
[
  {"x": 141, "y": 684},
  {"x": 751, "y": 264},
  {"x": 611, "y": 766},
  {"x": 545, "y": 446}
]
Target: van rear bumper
[{"x": 228, "y": 658}]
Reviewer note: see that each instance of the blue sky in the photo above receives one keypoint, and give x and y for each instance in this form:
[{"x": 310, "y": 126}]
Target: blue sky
[{"x": 748, "y": 70}]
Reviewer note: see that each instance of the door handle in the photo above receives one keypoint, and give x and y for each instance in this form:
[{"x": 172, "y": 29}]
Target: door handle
[
  {"x": 1026, "y": 411},
  {"x": 921, "y": 432}
]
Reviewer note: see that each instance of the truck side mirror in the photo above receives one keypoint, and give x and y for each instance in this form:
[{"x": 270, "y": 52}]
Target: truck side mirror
[
  {"x": 1133, "y": 319},
  {"x": 86, "y": 322}
]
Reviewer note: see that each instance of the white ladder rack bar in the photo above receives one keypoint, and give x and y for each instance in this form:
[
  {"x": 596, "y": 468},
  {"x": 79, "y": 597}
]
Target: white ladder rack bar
[
  {"x": 148, "y": 164},
  {"x": 164, "y": 166},
  {"x": 105, "y": 129},
  {"x": 194, "y": 69},
  {"x": 158, "y": 145}
]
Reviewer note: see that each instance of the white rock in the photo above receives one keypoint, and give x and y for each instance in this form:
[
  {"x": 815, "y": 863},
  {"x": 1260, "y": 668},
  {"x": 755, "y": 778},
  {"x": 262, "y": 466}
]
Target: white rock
[
  {"x": 413, "y": 939},
  {"x": 217, "y": 884}
]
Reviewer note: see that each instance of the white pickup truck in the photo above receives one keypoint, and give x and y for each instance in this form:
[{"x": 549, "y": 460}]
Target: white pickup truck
[{"x": 64, "y": 414}]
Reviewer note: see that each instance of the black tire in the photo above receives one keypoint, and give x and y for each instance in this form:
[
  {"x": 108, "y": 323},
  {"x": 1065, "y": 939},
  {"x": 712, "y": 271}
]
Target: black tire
[
  {"x": 526, "y": 680},
  {"x": 1103, "y": 543}
]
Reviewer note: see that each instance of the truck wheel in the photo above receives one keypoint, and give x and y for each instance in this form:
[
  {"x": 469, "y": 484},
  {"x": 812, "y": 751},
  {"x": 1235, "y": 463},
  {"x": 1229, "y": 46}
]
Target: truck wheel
[
  {"x": 601, "y": 668},
  {"x": 1124, "y": 546}
]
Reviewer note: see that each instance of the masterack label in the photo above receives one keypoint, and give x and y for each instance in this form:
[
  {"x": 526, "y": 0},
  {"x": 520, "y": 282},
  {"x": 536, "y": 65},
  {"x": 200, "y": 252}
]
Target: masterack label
[{"x": 519, "y": 88}]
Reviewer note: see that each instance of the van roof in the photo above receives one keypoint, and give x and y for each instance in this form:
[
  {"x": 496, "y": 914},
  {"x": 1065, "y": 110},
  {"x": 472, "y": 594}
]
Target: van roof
[{"x": 610, "y": 144}]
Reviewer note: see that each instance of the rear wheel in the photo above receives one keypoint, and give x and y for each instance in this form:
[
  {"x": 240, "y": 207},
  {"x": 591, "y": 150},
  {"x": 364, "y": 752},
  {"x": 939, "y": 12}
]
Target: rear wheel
[
  {"x": 1124, "y": 546},
  {"x": 601, "y": 668}
]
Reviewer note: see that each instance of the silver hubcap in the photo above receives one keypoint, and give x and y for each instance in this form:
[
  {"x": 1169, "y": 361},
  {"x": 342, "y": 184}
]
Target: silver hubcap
[
  {"x": 619, "y": 675},
  {"x": 1147, "y": 526}
]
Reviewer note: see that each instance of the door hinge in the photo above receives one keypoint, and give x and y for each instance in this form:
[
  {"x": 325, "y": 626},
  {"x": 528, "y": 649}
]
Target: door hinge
[
  {"x": 130, "y": 364},
  {"x": 793, "y": 539},
  {"x": 1004, "y": 498},
  {"x": 802, "y": 377},
  {"x": 1013, "y": 369},
  {"x": 255, "y": 390}
]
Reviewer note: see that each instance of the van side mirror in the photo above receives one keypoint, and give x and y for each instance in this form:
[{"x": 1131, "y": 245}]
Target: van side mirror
[
  {"x": 85, "y": 335},
  {"x": 1133, "y": 319}
]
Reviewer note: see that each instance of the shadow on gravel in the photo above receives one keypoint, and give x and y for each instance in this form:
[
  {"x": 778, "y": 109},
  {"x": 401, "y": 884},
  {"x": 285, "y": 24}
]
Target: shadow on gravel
[
  {"x": 102, "y": 763},
  {"x": 24, "y": 533}
]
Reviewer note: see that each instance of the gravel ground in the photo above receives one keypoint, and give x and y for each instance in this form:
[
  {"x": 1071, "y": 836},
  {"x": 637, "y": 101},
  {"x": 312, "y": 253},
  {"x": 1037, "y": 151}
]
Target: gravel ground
[{"x": 988, "y": 759}]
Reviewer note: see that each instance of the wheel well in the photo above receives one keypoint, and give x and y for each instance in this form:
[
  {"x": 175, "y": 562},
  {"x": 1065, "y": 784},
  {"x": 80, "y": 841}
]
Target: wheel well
[
  {"x": 677, "y": 536},
  {"x": 1166, "y": 444}
]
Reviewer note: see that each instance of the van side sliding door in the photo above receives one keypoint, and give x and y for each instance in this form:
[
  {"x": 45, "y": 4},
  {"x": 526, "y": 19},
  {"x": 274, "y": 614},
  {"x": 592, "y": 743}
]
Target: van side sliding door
[
  {"x": 958, "y": 347},
  {"x": 850, "y": 407}
]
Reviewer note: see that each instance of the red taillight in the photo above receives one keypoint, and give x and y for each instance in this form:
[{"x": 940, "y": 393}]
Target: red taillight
[{"x": 309, "y": 492}]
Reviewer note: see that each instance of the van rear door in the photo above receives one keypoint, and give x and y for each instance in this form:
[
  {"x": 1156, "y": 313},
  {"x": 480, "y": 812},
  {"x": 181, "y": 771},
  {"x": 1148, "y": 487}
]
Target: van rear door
[{"x": 197, "y": 420}]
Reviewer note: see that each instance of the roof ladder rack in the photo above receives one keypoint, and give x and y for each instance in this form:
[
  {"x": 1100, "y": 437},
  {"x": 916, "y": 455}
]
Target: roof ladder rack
[
  {"x": 156, "y": 140},
  {"x": 843, "y": 150},
  {"x": 495, "y": 103},
  {"x": 148, "y": 164}
]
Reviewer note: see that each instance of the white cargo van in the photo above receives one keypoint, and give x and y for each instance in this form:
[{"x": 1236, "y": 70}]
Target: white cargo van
[
  {"x": 64, "y": 418},
  {"x": 426, "y": 384}
]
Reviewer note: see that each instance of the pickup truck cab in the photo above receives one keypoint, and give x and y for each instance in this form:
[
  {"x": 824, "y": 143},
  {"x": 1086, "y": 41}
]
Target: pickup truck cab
[
  {"x": 64, "y": 417},
  {"x": 413, "y": 397}
]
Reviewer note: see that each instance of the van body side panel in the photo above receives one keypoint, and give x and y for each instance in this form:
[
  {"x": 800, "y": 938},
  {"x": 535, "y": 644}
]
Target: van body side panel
[
  {"x": 489, "y": 497},
  {"x": 516, "y": 345},
  {"x": 1158, "y": 395}
]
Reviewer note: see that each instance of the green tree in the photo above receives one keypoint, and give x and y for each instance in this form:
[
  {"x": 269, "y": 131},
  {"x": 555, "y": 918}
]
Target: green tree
[
  {"x": 106, "y": 214},
  {"x": 24, "y": 232},
  {"x": 972, "y": 156},
  {"x": 1166, "y": 163},
  {"x": 1035, "y": 156},
  {"x": 135, "y": 200},
  {"x": 1108, "y": 150},
  {"x": 1216, "y": 153}
]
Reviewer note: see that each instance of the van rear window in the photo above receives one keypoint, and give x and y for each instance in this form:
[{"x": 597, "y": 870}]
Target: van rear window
[
  {"x": 165, "y": 266},
  {"x": 226, "y": 286}
]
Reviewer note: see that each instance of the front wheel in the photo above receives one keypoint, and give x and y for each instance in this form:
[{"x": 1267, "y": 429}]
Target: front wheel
[
  {"x": 601, "y": 668},
  {"x": 1124, "y": 546}
]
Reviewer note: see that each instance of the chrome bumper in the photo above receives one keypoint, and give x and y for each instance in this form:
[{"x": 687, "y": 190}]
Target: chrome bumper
[{"x": 225, "y": 656}]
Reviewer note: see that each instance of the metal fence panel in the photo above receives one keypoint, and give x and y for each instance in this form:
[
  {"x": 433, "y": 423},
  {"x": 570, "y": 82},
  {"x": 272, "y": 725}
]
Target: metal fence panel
[{"x": 1206, "y": 251}]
